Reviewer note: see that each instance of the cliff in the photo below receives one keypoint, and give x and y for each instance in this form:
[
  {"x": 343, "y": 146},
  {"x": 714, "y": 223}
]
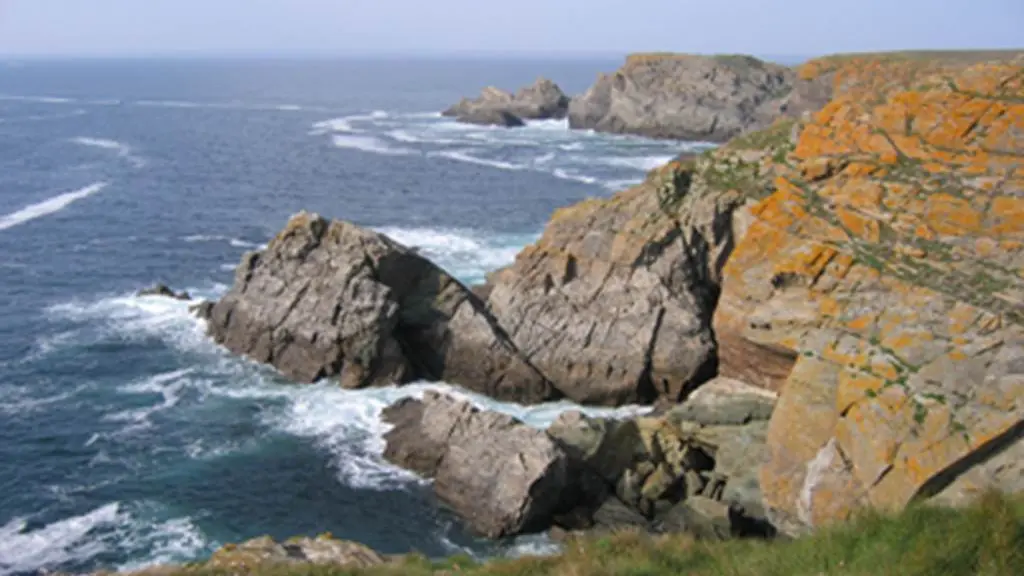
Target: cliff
[
  {"x": 886, "y": 266},
  {"x": 693, "y": 97},
  {"x": 863, "y": 262}
]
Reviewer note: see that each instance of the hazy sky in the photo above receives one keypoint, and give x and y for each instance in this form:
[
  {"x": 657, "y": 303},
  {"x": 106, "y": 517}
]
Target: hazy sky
[{"x": 780, "y": 27}]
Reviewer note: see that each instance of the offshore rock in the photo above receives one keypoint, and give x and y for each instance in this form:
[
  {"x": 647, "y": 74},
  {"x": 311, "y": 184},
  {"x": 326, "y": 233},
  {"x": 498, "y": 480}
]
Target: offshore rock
[
  {"x": 329, "y": 299},
  {"x": 691, "y": 97},
  {"x": 541, "y": 100}
]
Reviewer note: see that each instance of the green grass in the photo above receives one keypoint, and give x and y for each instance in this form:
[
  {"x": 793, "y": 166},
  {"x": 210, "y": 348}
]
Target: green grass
[{"x": 986, "y": 540}]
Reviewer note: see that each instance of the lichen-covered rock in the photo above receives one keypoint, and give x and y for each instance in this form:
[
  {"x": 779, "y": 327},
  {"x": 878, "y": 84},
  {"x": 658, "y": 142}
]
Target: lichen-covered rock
[
  {"x": 330, "y": 299},
  {"x": 500, "y": 475},
  {"x": 613, "y": 303},
  {"x": 692, "y": 97},
  {"x": 541, "y": 100},
  {"x": 886, "y": 269},
  {"x": 262, "y": 552}
]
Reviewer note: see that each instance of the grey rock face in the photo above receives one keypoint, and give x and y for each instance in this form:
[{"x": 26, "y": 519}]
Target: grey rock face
[
  {"x": 500, "y": 475},
  {"x": 541, "y": 100},
  {"x": 687, "y": 97},
  {"x": 329, "y": 299},
  {"x": 611, "y": 303}
]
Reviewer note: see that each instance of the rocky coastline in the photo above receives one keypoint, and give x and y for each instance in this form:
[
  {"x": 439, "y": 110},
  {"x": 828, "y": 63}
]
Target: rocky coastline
[
  {"x": 826, "y": 311},
  {"x": 674, "y": 96}
]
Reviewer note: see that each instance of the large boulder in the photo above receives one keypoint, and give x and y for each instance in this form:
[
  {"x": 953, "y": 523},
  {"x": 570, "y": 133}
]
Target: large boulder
[
  {"x": 688, "y": 97},
  {"x": 541, "y": 100},
  {"x": 330, "y": 299},
  {"x": 614, "y": 302},
  {"x": 500, "y": 475},
  {"x": 880, "y": 279}
]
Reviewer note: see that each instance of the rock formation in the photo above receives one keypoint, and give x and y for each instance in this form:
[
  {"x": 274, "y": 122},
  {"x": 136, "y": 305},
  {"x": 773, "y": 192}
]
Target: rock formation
[
  {"x": 541, "y": 100},
  {"x": 614, "y": 302},
  {"x": 693, "y": 466},
  {"x": 885, "y": 268},
  {"x": 688, "y": 97},
  {"x": 330, "y": 299},
  {"x": 164, "y": 291},
  {"x": 501, "y": 476}
]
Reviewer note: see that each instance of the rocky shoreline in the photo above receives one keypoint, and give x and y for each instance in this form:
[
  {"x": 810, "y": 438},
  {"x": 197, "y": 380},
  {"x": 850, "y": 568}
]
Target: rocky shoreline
[
  {"x": 826, "y": 311},
  {"x": 675, "y": 96}
]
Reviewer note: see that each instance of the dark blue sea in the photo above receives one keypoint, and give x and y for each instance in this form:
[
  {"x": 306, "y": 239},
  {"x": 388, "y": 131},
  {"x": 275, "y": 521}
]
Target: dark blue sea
[{"x": 127, "y": 438}]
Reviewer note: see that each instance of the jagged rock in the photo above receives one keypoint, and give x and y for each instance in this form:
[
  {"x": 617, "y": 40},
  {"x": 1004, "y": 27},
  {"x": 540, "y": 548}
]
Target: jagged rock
[
  {"x": 726, "y": 402},
  {"x": 500, "y": 475},
  {"x": 542, "y": 99},
  {"x": 689, "y": 97},
  {"x": 165, "y": 291},
  {"x": 322, "y": 550},
  {"x": 329, "y": 299},
  {"x": 613, "y": 302},
  {"x": 490, "y": 117},
  {"x": 706, "y": 518},
  {"x": 885, "y": 300},
  {"x": 614, "y": 515}
]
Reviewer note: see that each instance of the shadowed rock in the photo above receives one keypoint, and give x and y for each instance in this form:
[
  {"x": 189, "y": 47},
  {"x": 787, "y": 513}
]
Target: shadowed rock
[
  {"x": 500, "y": 475},
  {"x": 330, "y": 299},
  {"x": 541, "y": 100}
]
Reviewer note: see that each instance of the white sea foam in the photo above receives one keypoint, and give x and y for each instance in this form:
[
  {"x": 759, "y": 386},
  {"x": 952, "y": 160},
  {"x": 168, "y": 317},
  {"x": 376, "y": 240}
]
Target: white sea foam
[
  {"x": 19, "y": 401},
  {"x": 545, "y": 159},
  {"x": 49, "y": 206},
  {"x": 345, "y": 123},
  {"x": 568, "y": 175},
  {"x": 39, "y": 99},
  {"x": 54, "y": 544},
  {"x": 122, "y": 150},
  {"x": 644, "y": 163},
  {"x": 551, "y": 124},
  {"x": 572, "y": 146},
  {"x": 462, "y": 156},
  {"x": 617, "y": 185},
  {"x": 369, "y": 144}
]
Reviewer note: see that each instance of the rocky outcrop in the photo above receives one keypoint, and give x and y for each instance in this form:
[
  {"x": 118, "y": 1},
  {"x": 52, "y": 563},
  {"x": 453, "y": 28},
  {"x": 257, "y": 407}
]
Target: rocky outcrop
[
  {"x": 614, "y": 302},
  {"x": 501, "y": 476},
  {"x": 164, "y": 291},
  {"x": 324, "y": 550},
  {"x": 541, "y": 100},
  {"x": 692, "y": 469},
  {"x": 329, "y": 299},
  {"x": 691, "y": 97},
  {"x": 881, "y": 279}
]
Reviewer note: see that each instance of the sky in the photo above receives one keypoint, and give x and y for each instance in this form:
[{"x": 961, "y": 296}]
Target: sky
[{"x": 538, "y": 27}]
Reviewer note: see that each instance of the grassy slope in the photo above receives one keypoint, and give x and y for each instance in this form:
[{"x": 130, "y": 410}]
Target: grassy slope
[{"x": 986, "y": 539}]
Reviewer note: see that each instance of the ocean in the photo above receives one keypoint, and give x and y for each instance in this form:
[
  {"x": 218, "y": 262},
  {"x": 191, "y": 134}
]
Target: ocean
[{"x": 126, "y": 437}]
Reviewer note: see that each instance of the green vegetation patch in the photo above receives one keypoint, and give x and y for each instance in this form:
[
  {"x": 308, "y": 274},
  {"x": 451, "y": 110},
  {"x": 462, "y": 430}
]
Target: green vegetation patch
[{"x": 986, "y": 540}]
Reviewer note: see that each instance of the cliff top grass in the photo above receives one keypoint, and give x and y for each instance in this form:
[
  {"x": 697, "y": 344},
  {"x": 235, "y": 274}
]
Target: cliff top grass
[{"x": 985, "y": 539}]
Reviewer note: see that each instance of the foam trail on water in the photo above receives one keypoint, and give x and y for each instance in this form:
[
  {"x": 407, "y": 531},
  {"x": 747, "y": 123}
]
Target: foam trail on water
[
  {"x": 462, "y": 156},
  {"x": 369, "y": 144},
  {"x": 567, "y": 175},
  {"x": 122, "y": 150},
  {"x": 49, "y": 206},
  {"x": 53, "y": 544},
  {"x": 644, "y": 163}
]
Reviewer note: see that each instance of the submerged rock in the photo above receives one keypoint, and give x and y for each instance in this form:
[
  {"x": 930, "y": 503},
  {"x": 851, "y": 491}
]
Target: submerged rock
[
  {"x": 330, "y": 299},
  {"x": 500, "y": 475},
  {"x": 164, "y": 291}
]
